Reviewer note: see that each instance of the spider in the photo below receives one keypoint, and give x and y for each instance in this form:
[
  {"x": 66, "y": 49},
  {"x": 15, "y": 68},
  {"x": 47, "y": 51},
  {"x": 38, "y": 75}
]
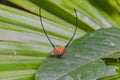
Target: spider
[{"x": 59, "y": 51}]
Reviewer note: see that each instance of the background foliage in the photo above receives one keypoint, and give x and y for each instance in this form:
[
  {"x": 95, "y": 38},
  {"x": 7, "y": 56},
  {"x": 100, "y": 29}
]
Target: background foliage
[{"x": 23, "y": 45}]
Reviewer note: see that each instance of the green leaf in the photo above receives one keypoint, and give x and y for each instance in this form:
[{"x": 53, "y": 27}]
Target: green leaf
[
  {"x": 17, "y": 75},
  {"x": 82, "y": 55},
  {"x": 87, "y": 10},
  {"x": 110, "y": 61},
  {"x": 14, "y": 67},
  {"x": 109, "y": 10}
]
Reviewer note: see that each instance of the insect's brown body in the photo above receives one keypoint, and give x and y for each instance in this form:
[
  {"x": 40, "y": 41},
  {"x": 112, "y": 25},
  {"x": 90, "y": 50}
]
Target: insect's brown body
[{"x": 59, "y": 51}]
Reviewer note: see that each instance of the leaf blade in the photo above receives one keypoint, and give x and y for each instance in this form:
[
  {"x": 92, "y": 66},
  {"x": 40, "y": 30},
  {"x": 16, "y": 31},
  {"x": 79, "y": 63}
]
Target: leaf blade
[{"x": 80, "y": 53}]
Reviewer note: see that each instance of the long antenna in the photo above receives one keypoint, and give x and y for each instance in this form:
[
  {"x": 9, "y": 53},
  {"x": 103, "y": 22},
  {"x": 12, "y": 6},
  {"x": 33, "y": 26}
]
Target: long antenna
[
  {"x": 44, "y": 29},
  {"x": 75, "y": 29}
]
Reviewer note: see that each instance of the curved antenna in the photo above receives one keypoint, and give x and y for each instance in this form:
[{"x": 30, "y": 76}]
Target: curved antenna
[
  {"x": 44, "y": 29},
  {"x": 75, "y": 29}
]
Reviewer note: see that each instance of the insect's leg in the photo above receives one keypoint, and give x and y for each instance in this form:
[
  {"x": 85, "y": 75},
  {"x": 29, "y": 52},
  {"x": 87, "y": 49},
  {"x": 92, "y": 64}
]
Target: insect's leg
[{"x": 51, "y": 52}]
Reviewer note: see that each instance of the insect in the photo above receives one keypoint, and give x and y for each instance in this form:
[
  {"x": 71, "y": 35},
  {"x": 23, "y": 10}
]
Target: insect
[{"x": 59, "y": 51}]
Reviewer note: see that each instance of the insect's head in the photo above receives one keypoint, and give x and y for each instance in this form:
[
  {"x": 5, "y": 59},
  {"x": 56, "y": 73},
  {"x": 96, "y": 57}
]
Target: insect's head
[{"x": 59, "y": 55}]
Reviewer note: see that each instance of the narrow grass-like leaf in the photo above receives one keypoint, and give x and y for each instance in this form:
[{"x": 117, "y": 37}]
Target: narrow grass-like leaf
[
  {"x": 58, "y": 11},
  {"x": 34, "y": 24},
  {"x": 111, "y": 13},
  {"x": 13, "y": 75},
  {"x": 15, "y": 62},
  {"x": 88, "y": 12}
]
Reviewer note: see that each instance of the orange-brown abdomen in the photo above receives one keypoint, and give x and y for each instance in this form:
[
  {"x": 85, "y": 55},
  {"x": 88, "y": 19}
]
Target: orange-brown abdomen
[{"x": 59, "y": 51}]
